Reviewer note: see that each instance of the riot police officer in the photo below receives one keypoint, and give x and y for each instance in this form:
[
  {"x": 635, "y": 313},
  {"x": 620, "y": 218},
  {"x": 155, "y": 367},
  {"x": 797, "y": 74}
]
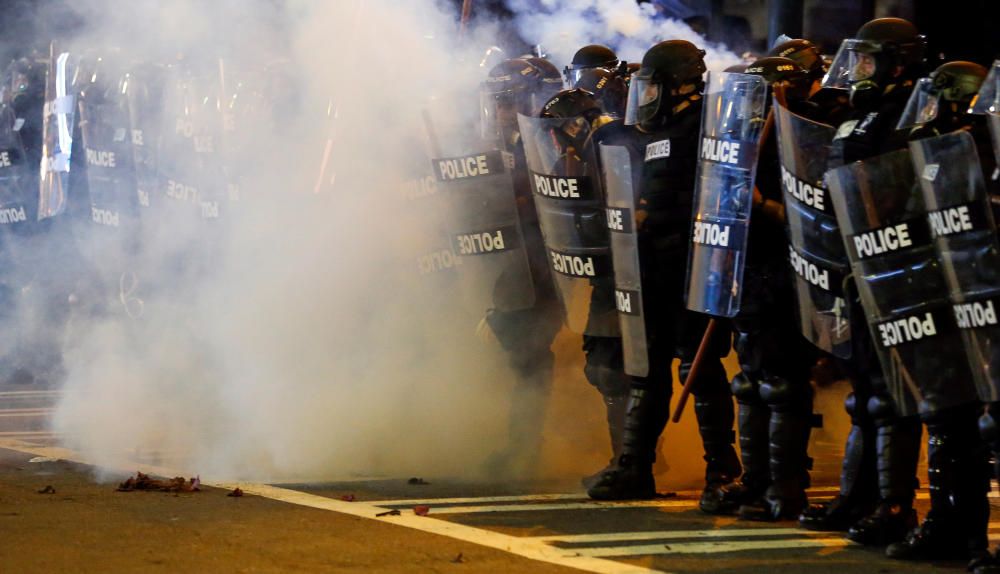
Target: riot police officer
[
  {"x": 561, "y": 152},
  {"x": 522, "y": 85},
  {"x": 879, "y": 67},
  {"x": 772, "y": 389},
  {"x": 957, "y": 467},
  {"x": 663, "y": 145},
  {"x": 598, "y": 70}
]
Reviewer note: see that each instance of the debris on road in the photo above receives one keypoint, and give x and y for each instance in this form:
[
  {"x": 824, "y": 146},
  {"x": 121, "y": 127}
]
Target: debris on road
[
  {"x": 417, "y": 482},
  {"x": 458, "y": 559},
  {"x": 176, "y": 484},
  {"x": 348, "y": 498},
  {"x": 47, "y": 490},
  {"x": 44, "y": 459},
  {"x": 421, "y": 509},
  {"x": 236, "y": 493},
  {"x": 388, "y": 513}
]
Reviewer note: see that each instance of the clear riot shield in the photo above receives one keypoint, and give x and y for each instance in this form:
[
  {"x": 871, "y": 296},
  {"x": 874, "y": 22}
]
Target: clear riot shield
[
  {"x": 144, "y": 91},
  {"x": 107, "y": 147},
  {"x": 815, "y": 250},
  {"x": 621, "y": 201},
  {"x": 961, "y": 220},
  {"x": 731, "y": 126},
  {"x": 885, "y": 228},
  {"x": 569, "y": 198},
  {"x": 57, "y": 133},
  {"x": 17, "y": 195},
  {"x": 484, "y": 225}
]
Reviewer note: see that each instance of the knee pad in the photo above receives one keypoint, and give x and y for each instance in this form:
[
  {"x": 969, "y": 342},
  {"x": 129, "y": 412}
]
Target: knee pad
[
  {"x": 711, "y": 377},
  {"x": 745, "y": 389},
  {"x": 881, "y": 408},
  {"x": 784, "y": 395},
  {"x": 988, "y": 428},
  {"x": 610, "y": 382}
]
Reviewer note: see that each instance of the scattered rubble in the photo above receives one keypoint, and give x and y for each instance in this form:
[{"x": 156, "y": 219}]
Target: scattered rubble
[
  {"x": 236, "y": 493},
  {"x": 176, "y": 484},
  {"x": 348, "y": 498},
  {"x": 417, "y": 482},
  {"x": 421, "y": 509},
  {"x": 47, "y": 490},
  {"x": 388, "y": 513}
]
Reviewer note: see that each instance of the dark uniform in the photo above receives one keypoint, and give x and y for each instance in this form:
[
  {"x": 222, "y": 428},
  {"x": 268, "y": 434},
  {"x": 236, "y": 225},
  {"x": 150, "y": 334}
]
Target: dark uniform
[
  {"x": 665, "y": 180},
  {"x": 772, "y": 389},
  {"x": 880, "y": 460}
]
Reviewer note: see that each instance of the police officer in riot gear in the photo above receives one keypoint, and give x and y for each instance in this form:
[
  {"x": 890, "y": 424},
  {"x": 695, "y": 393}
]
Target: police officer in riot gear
[
  {"x": 579, "y": 119},
  {"x": 879, "y": 67},
  {"x": 957, "y": 466},
  {"x": 522, "y": 85},
  {"x": 665, "y": 112},
  {"x": 772, "y": 389},
  {"x": 598, "y": 70}
]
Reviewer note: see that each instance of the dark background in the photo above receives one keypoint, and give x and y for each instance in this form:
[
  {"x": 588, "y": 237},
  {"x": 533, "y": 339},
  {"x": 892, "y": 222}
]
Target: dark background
[{"x": 955, "y": 29}]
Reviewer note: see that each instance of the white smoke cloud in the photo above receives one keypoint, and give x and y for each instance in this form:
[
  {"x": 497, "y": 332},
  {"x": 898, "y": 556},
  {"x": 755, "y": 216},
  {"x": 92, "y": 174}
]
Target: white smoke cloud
[
  {"x": 312, "y": 346},
  {"x": 629, "y": 28}
]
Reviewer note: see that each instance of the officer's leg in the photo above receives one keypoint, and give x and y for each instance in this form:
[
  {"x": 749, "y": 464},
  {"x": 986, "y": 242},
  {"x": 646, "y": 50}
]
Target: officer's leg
[
  {"x": 790, "y": 402},
  {"x": 605, "y": 370},
  {"x": 897, "y": 453},
  {"x": 713, "y": 404},
  {"x": 958, "y": 476},
  {"x": 752, "y": 420},
  {"x": 989, "y": 430},
  {"x": 526, "y": 335},
  {"x": 858, "y": 478}
]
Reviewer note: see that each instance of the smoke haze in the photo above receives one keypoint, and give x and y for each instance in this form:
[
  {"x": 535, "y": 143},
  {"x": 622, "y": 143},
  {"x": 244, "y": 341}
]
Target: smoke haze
[{"x": 312, "y": 334}]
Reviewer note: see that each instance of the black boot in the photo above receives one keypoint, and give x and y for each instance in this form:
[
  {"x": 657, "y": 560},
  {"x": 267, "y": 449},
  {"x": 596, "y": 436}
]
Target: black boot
[
  {"x": 898, "y": 451},
  {"x": 958, "y": 477},
  {"x": 632, "y": 478},
  {"x": 615, "y": 413},
  {"x": 789, "y": 463},
  {"x": 753, "y": 426},
  {"x": 858, "y": 493}
]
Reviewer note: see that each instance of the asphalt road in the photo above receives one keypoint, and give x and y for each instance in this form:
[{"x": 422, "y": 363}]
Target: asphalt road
[{"x": 376, "y": 525}]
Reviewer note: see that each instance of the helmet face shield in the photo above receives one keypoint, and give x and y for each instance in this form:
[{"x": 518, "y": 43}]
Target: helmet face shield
[
  {"x": 498, "y": 111},
  {"x": 923, "y": 105},
  {"x": 987, "y": 101},
  {"x": 643, "y": 100},
  {"x": 854, "y": 62}
]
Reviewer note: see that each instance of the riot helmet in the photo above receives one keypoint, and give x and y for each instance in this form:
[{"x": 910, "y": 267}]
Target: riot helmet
[
  {"x": 782, "y": 74},
  {"x": 583, "y": 115},
  {"x": 804, "y": 53},
  {"x": 608, "y": 88},
  {"x": 944, "y": 96},
  {"x": 519, "y": 85},
  {"x": 670, "y": 75},
  {"x": 886, "y": 51},
  {"x": 588, "y": 57},
  {"x": 24, "y": 85}
]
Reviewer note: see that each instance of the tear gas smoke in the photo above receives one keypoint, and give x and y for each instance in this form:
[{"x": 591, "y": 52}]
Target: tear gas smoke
[
  {"x": 309, "y": 333},
  {"x": 308, "y": 344},
  {"x": 629, "y": 28}
]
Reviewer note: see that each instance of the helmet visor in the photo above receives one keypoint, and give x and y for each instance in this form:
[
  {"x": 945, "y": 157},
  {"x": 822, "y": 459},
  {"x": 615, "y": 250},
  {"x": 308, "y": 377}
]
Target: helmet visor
[
  {"x": 987, "y": 101},
  {"x": 922, "y": 106},
  {"x": 643, "y": 98},
  {"x": 498, "y": 112},
  {"x": 853, "y": 63}
]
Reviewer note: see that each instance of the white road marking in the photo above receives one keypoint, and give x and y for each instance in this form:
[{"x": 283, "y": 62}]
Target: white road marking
[
  {"x": 556, "y": 506},
  {"x": 539, "y": 497},
  {"x": 670, "y": 535},
  {"x": 714, "y": 547},
  {"x": 37, "y": 393},
  {"x": 527, "y": 548}
]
